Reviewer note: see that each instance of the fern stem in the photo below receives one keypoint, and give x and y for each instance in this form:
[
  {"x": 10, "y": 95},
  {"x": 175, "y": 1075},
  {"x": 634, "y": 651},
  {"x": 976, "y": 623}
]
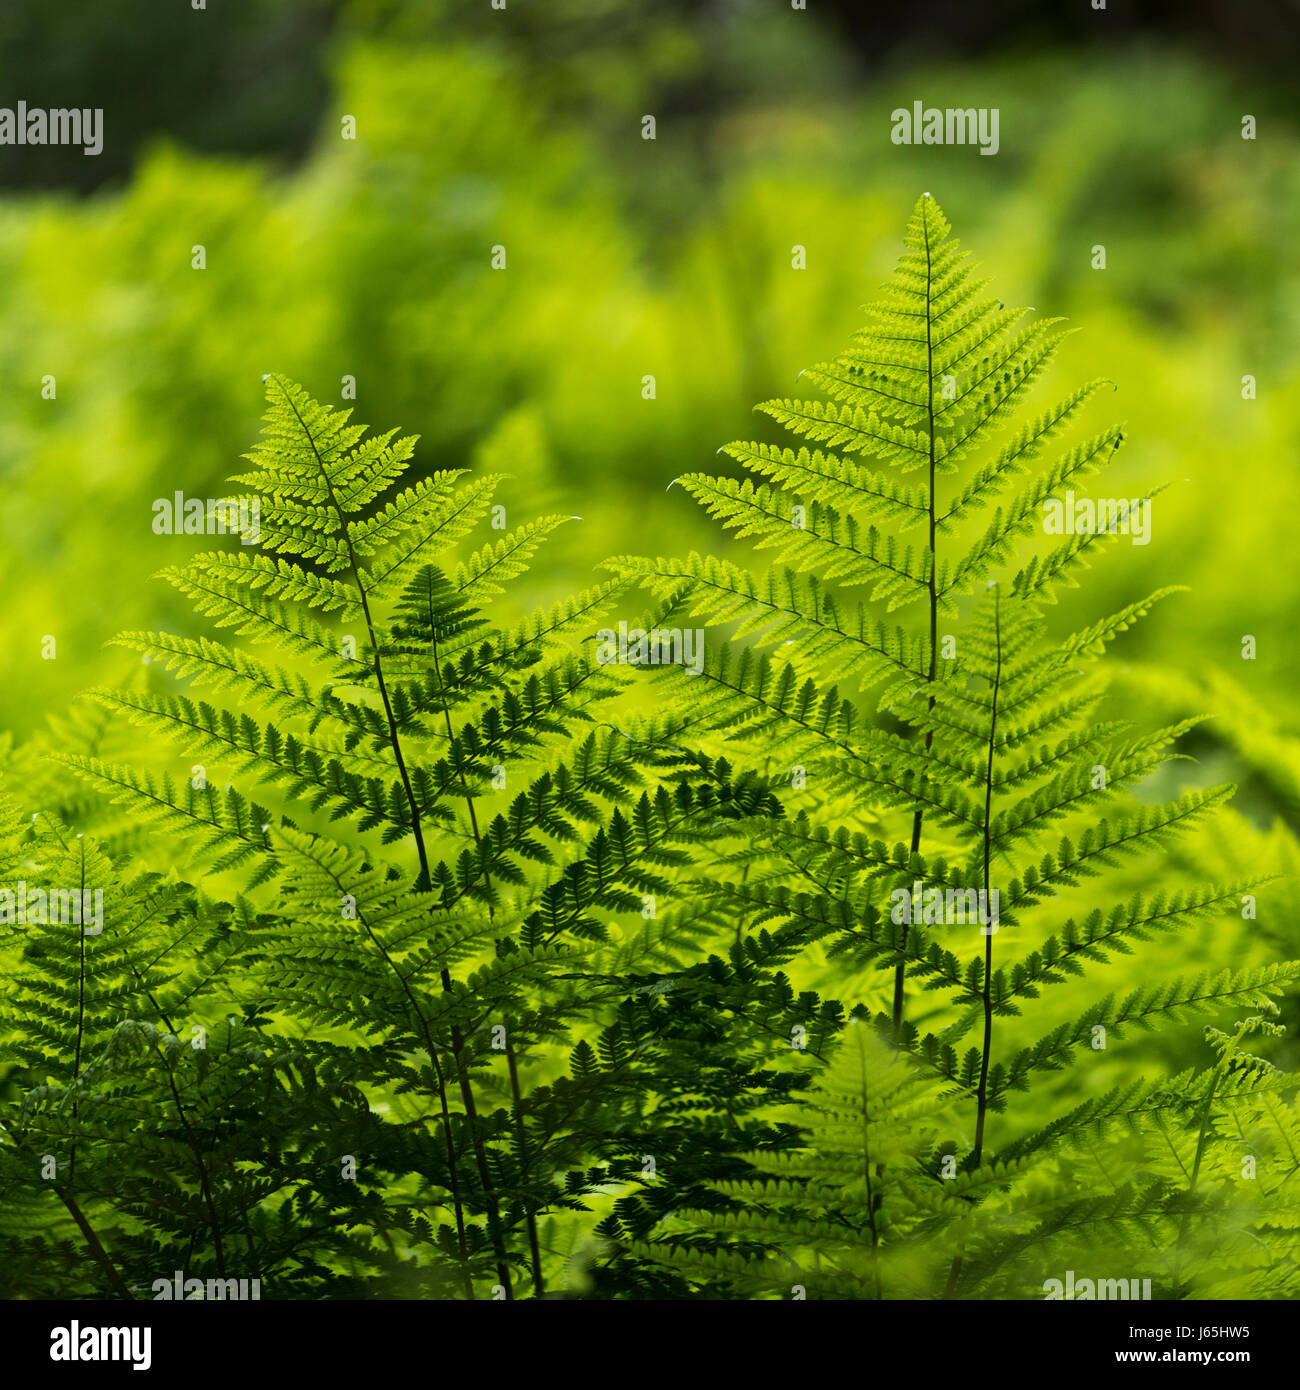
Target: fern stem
[
  {"x": 417, "y": 827},
  {"x": 986, "y": 995},
  {"x": 534, "y": 1245},
  {"x": 378, "y": 665},
  {"x": 530, "y": 1217},
  {"x": 98, "y": 1253},
  {"x": 101, "y": 1255},
  {"x": 81, "y": 1018},
  {"x": 457, "y": 1038},
  {"x": 871, "y": 1198},
  {"x": 1202, "y": 1135},
  {"x": 452, "y": 1176},
  {"x": 480, "y": 1157},
  {"x": 205, "y": 1182},
  {"x": 900, "y": 969},
  {"x": 431, "y": 1049}
]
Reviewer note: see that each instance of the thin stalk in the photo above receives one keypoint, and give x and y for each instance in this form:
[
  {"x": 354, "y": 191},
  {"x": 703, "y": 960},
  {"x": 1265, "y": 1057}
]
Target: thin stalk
[
  {"x": 395, "y": 742},
  {"x": 431, "y": 1049},
  {"x": 986, "y": 995},
  {"x": 1201, "y": 1137},
  {"x": 530, "y": 1217},
  {"x": 451, "y": 1174},
  {"x": 871, "y": 1200},
  {"x": 81, "y": 1018},
  {"x": 901, "y": 968},
  {"x": 98, "y": 1253},
  {"x": 534, "y": 1245},
  {"x": 205, "y": 1182},
  {"x": 92, "y": 1240}
]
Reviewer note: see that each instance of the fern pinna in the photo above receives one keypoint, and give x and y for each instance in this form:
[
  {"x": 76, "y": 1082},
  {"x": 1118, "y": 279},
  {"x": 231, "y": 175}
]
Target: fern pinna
[
  {"x": 959, "y": 834},
  {"x": 424, "y": 907},
  {"x": 142, "y": 1126}
]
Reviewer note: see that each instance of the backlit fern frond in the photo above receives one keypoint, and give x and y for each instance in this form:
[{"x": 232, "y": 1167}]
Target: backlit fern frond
[{"x": 966, "y": 795}]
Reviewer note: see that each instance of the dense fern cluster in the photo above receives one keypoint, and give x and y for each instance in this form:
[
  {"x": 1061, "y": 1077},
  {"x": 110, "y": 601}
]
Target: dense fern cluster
[
  {"x": 493, "y": 985},
  {"x": 429, "y": 967}
]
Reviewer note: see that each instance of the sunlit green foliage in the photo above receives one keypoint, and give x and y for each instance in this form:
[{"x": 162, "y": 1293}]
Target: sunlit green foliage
[
  {"x": 997, "y": 785},
  {"x": 372, "y": 259},
  {"x": 450, "y": 1012}
]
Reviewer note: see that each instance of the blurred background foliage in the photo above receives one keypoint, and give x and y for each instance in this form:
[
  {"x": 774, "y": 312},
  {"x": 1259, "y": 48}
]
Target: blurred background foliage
[{"x": 522, "y": 128}]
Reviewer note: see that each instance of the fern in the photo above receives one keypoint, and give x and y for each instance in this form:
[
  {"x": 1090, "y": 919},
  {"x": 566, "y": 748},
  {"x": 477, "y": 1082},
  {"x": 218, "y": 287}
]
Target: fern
[
  {"x": 985, "y": 773},
  {"x": 424, "y": 944},
  {"x": 140, "y": 1129},
  {"x": 496, "y": 985}
]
